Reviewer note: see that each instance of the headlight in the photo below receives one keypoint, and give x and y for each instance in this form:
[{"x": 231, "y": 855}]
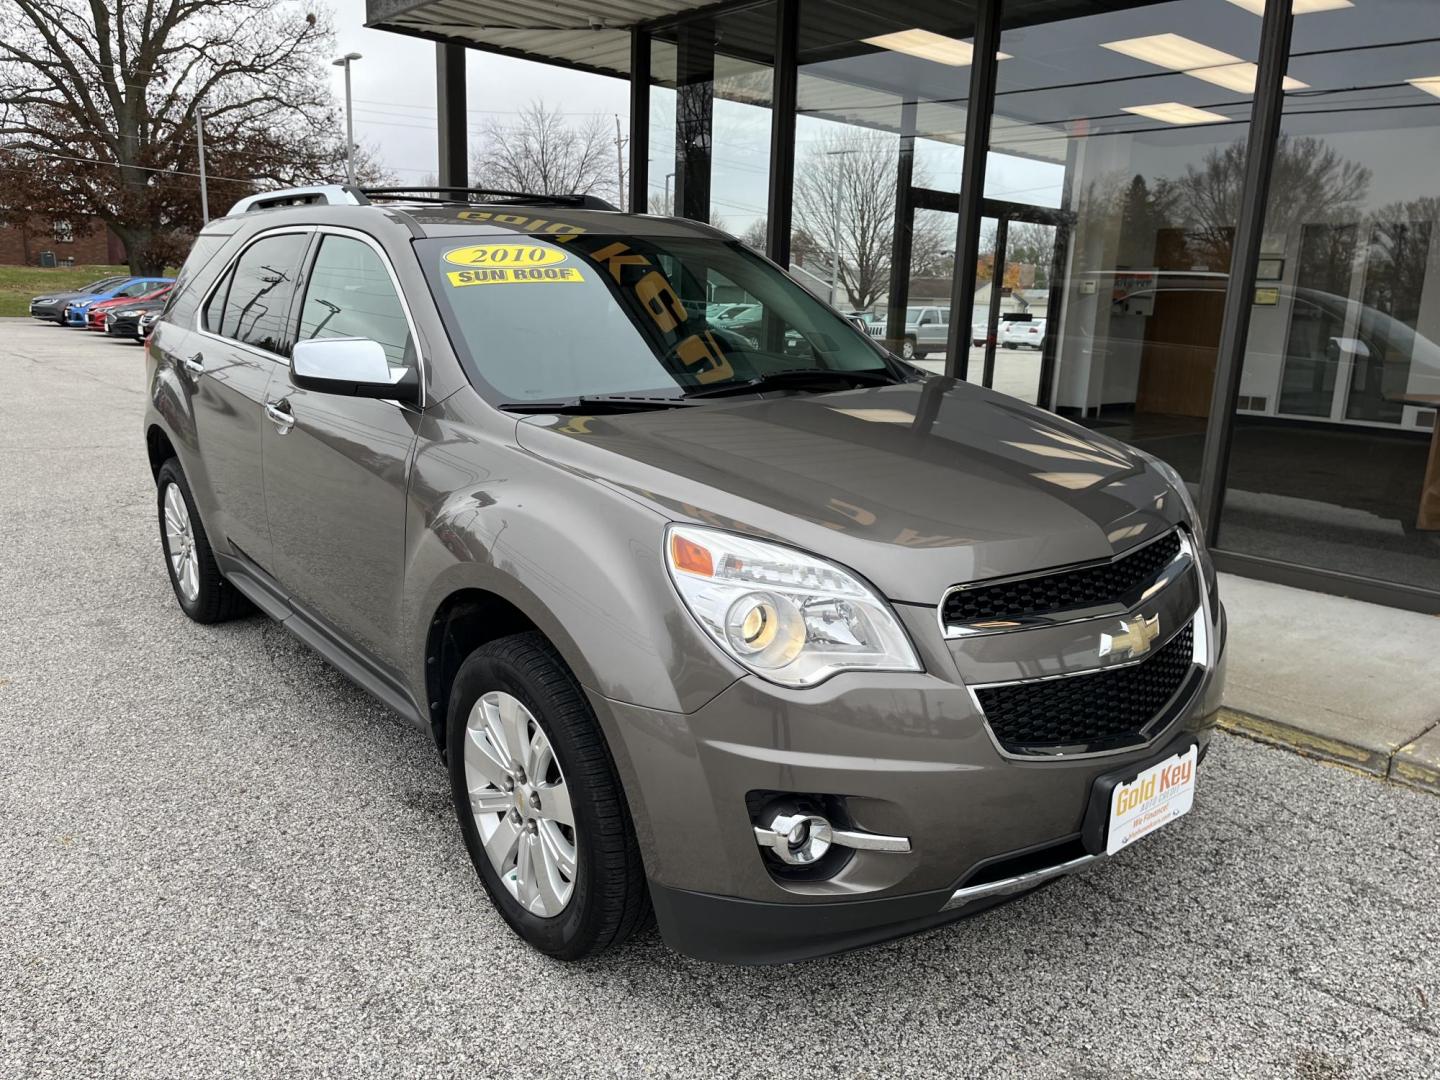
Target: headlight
[{"x": 789, "y": 617}]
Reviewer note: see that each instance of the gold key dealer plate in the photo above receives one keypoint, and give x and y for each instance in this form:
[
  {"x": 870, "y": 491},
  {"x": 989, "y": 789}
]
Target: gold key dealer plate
[{"x": 1159, "y": 795}]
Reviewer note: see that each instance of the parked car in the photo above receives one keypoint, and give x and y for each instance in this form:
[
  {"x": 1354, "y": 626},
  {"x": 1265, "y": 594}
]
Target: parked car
[
  {"x": 77, "y": 311},
  {"x": 1011, "y": 333},
  {"x": 801, "y": 649},
  {"x": 51, "y": 306},
  {"x": 729, "y": 313},
  {"x": 96, "y": 315},
  {"x": 124, "y": 320},
  {"x": 1021, "y": 334},
  {"x": 927, "y": 330}
]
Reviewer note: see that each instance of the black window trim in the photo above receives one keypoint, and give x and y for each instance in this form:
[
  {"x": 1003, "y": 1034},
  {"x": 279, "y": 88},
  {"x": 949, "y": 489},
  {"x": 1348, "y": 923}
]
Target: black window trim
[{"x": 226, "y": 274}]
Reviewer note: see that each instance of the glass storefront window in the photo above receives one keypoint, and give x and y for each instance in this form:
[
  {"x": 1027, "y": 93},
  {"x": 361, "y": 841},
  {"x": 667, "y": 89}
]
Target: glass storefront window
[
  {"x": 1335, "y": 462},
  {"x": 880, "y": 119},
  {"x": 1128, "y": 124},
  {"x": 710, "y": 120}
]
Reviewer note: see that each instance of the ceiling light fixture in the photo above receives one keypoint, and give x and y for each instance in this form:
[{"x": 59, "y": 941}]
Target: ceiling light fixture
[
  {"x": 928, "y": 45},
  {"x": 1172, "y": 51},
  {"x": 1298, "y": 7},
  {"x": 1172, "y": 112},
  {"x": 1239, "y": 77}
]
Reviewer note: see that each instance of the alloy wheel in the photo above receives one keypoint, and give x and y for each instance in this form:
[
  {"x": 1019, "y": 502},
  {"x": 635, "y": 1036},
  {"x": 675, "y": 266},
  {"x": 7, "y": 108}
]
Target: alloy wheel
[
  {"x": 180, "y": 544},
  {"x": 520, "y": 803}
]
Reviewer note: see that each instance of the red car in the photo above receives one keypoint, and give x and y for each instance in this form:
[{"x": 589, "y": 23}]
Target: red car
[{"x": 95, "y": 317}]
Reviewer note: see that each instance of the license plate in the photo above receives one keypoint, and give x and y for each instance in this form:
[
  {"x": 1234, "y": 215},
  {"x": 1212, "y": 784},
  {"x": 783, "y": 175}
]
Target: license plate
[{"x": 1156, "y": 797}]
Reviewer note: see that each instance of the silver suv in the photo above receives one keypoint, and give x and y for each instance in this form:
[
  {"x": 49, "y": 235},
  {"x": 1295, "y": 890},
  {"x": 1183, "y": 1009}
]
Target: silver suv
[{"x": 771, "y": 635}]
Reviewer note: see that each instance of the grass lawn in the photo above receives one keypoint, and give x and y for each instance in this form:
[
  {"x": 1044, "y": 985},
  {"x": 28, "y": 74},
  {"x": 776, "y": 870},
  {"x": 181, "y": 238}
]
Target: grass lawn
[{"x": 19, "y": 283}]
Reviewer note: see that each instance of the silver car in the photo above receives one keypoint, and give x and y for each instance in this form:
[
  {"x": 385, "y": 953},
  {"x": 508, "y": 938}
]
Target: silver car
[{"x": 770, "y": 636}]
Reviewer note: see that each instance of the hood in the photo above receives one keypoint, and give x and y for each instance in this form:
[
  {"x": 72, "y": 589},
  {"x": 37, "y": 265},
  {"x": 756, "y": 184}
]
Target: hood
[{"x": 917, "y": 486}]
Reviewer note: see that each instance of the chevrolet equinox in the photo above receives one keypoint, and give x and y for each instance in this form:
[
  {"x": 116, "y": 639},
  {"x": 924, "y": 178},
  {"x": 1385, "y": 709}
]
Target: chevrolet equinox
[{"x": 746, "y": 626}]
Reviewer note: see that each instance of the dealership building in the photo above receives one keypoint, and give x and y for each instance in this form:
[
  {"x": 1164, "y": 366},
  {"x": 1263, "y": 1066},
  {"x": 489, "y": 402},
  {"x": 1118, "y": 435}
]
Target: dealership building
[{"x": 1221, "y": 219}]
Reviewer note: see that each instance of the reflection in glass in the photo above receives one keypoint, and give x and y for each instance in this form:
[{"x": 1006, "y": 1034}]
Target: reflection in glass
[
  {"x": 710, "y": 120},
  {"x": 881, "y": 102},
  {"x": 1129, "y": 123},
  {"x": 1336, "y": 460}
]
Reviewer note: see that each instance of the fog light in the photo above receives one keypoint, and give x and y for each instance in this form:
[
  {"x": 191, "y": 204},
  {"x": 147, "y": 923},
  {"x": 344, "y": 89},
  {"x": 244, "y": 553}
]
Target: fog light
[
  {"x": 799, "y": 836},
  {"x": 798, "y": 839}
]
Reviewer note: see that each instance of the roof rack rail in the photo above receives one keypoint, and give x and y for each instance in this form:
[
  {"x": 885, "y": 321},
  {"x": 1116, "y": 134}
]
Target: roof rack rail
[
  {"x": 488, "y": 195},
  {"x": 321, "y": 194}
]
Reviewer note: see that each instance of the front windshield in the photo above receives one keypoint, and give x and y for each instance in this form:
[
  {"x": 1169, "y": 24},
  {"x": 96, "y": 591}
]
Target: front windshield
[{"x": 550, "y": 318}]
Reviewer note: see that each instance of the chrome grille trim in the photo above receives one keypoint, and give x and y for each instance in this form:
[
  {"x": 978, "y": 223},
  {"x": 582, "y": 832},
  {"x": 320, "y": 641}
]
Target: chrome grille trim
[
  {"x": 1120, "y": 606},
  {"x": 1203, "y": 653}
]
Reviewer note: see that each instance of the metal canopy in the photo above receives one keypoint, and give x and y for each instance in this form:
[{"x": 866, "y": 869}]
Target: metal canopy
[{"x": 592, "y": 35}]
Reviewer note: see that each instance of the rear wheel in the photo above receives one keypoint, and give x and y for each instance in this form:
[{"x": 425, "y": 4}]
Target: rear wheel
[
  {"x": 540, "y": 806},
  {"x": 200, "y": 588}
]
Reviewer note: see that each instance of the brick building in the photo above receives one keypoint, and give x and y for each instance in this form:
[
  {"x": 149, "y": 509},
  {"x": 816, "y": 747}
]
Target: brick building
[{"x": 84, "y": 240}]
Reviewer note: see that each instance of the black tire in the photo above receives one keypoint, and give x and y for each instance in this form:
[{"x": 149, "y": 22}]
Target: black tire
[
  {"x": 216, "y": 600},
  {"x": 610, "y": 899}
]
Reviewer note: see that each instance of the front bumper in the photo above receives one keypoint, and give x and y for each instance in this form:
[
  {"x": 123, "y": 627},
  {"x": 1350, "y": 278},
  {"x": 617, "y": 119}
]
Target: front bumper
[
  {"x": 731, "y": 930},
  {"x": 909, "y": 754}
]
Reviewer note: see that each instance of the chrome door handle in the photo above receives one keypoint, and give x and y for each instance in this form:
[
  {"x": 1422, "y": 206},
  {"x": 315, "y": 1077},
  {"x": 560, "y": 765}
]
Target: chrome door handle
[
  {"x": 195, "y": 364},
  {"x": 280, "y": 414}
]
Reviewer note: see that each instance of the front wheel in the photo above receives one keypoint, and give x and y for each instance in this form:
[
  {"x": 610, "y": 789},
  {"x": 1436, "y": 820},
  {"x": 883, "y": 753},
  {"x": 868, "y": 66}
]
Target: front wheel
[
  {"x": 541, "y": 809},
  {"x": 907, "y": 349},
  {"x": 200, "y": 588}
]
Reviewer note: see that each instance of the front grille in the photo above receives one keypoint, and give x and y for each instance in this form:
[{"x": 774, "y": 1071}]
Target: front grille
[
  {"x": 1098, "y": 710},
  {"x": 1061, "y": 590}
]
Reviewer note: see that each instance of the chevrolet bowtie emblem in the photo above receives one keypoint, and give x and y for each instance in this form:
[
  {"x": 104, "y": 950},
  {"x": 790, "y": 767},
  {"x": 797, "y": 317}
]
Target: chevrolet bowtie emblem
[{"x": 1135, "y": 640}]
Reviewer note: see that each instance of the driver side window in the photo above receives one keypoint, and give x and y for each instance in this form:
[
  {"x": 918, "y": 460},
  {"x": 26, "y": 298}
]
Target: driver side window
[{"x": 350, "y": 294}]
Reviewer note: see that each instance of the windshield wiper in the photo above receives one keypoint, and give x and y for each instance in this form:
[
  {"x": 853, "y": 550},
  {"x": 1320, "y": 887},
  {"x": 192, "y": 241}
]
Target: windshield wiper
[
  {"x": 597, "y": 403},
  {"x": 800, "y": 379}
]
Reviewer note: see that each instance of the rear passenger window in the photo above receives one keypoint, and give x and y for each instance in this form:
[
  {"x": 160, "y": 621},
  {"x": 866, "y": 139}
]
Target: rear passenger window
[
  {"x": 257, "y": 293},
  {"x": 350, "y": 294}
]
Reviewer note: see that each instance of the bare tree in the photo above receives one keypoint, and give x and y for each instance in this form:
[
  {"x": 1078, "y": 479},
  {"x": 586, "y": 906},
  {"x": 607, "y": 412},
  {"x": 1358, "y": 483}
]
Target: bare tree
[
  {"x": 543, "y": 152},
  {"x": 845, "y": 200},
  {"x": 1310, "y": 183},
  {"x": 99, "y": 100}
]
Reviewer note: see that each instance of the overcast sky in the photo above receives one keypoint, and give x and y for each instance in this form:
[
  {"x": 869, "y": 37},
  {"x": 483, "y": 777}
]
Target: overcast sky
[
  {"x": 394, "y": 91},
  {"x": 394, "y": 95}
]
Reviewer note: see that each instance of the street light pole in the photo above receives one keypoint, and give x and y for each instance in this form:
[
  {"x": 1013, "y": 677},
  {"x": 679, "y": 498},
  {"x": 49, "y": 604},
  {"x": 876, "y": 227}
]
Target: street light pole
[
  {"x": 670, "y": 210},
  {"x": 200, "y": 147},
  {"x": 344, "y": 62}
]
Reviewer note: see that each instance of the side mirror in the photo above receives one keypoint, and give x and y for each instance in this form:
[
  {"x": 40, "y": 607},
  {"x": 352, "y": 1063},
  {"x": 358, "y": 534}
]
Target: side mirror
[{"x": 355, "y": 367}]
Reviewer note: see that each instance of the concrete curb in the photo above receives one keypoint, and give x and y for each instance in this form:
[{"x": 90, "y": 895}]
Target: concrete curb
[{"x": 1405, "y": 765}]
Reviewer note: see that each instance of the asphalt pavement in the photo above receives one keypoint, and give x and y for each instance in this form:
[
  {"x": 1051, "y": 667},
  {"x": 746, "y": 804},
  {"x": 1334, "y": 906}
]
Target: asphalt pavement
[{"x": 217, "y": 858}]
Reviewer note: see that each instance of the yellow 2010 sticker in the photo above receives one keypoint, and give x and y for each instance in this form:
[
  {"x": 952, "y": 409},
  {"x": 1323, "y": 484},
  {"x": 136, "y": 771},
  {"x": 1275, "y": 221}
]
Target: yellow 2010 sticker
[
  {"x": 502, "y": 254},
  {"x": 516, "y": 275}
]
